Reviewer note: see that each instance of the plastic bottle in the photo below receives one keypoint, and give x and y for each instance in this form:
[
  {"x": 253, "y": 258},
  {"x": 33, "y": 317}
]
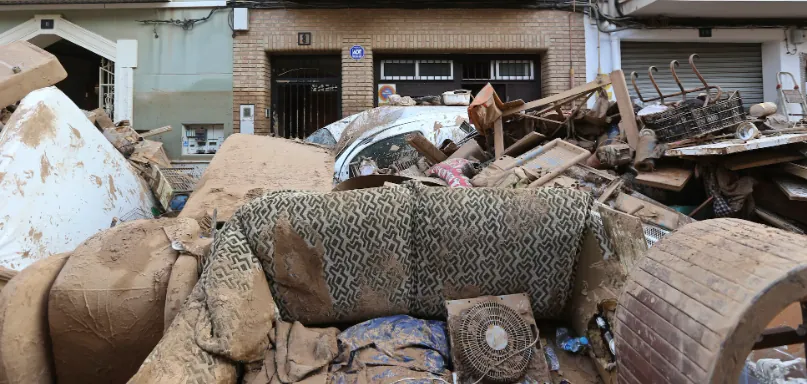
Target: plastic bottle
[
  {"x": 551, "y": 358},
  {"x": 606, "y": 333},
  {"x": 576, "y": 344},
  {"x": 561, "y": 335},
  {"x": 568, "y": 343}
]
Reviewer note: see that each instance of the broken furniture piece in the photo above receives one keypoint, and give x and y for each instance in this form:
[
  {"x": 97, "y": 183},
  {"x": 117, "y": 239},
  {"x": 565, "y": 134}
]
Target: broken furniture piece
[
  {"x": 553, "y": 158},
  {"x": 24, "y": 67},
  {"x": 670, "y": 178},
  {"x": 683, "y": 93},
  {"x": 690, "y": 118},
  {"x": 735, "y": 146},
  {"x": 169, "y": 184},
  {"x": 686, "y": 121},
  {"x": 487, "y": 110}
]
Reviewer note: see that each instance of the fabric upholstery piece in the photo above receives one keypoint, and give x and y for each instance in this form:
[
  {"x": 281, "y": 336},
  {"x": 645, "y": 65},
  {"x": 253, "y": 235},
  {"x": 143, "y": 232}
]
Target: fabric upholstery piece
[
  {"x": 337, "y": 257},
  {"x": 497, "y": 242},
  {"x": 392, "y": 348},
  {"x": 357, "y": 255}
]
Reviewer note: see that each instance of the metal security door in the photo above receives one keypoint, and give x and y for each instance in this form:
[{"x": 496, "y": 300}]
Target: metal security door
[
  {"x": 306, "y": 94},
  {"x": 106, "y": 87}
]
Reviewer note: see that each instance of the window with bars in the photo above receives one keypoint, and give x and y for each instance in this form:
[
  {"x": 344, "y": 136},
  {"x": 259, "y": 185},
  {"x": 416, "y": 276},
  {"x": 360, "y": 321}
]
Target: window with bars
[
  {"x": 498, "y": 70},
  {"x": 513, "y": 70},
  {"x": 417, "y": 70}
]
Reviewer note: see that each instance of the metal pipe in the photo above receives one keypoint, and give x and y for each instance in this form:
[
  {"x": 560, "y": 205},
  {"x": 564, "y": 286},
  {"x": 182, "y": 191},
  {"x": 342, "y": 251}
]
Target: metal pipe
[
  {"x": 616, "y": 52},
  {"x": 692, "y": 58},
  {"x": 711, "y": 87},
  {"x": 633, "y": 77},
  {"x": 653, "y": 80},
  {"x": 673, "y": 65}
]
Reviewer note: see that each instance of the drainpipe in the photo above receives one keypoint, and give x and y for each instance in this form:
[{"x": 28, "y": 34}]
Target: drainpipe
[{"x": 616, "y": 53}]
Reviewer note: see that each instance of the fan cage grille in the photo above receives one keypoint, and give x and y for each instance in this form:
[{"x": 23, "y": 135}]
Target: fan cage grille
[{"x": 505, "y": 365}]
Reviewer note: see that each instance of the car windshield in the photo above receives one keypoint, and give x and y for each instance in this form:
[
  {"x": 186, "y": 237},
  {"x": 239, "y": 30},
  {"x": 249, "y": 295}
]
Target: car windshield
[{"x": 322, "y": 137}]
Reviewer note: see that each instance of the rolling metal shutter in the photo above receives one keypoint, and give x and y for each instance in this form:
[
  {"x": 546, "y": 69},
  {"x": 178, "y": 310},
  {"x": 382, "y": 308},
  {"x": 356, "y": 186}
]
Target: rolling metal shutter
[{"x": 730, "y": 66}]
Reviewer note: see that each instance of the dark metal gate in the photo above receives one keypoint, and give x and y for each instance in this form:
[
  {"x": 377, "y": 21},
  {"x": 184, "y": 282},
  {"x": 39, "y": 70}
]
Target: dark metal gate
[{"x": 306, "y": 94}]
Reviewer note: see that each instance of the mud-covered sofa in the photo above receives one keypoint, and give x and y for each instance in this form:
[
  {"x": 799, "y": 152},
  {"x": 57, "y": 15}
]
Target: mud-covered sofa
[{"x": 351, "y": 256}]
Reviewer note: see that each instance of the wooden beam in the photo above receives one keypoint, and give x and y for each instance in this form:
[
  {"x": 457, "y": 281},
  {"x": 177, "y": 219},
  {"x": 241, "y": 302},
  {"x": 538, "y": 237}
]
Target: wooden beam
[
  {"x": 794, "y": 169},
  {"x": 524, "y": 144},
  {"x": 156, "y": 131},
  {"x": 647, "y": 212},
  {"x": 776, "y": 220},
  {"x": 736, "y": 146},
  {"x": 426, "y": 148},
  {"x": 760, "y": 158},
  {"x": 601, "y": 81},
  {"x": 498, "y": 138},
  {"x": 612, "y": 187},
  {"x": 794, "y": 188},
  {"x": 557, "y": 171},
  {"x": 673, "y": 179},
  {"x": 628, "y": 123}
]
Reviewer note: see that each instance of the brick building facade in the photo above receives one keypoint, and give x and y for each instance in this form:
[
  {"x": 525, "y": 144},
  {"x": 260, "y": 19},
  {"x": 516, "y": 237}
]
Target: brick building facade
[{"x": 555, "y": 37}]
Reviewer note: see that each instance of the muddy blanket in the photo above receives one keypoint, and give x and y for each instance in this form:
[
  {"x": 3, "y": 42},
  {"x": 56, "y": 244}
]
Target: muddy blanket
[{"x": 357, "y": 255}]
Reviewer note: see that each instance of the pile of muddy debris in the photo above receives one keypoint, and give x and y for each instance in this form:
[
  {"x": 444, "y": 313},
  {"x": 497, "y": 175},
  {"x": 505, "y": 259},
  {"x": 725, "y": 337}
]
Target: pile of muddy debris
[
  {"x": 507, "y": 209},
  {"x": 653, "y": 165},
  {"x": 665, "y": 162}
]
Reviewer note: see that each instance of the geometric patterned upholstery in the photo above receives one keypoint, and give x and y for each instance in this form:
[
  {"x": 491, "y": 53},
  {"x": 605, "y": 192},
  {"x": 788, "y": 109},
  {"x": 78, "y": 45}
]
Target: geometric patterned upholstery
[
  {"x": 345, "y": 257},
  {"x": 362, "y": 254}
]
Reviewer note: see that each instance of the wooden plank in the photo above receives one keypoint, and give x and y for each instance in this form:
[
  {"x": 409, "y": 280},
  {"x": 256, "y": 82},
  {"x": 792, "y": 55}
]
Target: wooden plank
[
  {"x": 626, "y": 234},
  {"x": 737, "y": 146},
  {"x": 524, "y": 144},
  {"x": 777, "y": 221},
  {"x": 426, "y": 148},
  {"x": 601, "y": 81},
  {"x": 625, "y": 105},
  {"x": 558, "y": 156},
  {"x": 759, "y": 158},
  {"x": 101, "y": 119},
  {"x": 156, "y": 131},
  {"x": 498, "y": 138},
  {"x": 673, "y": 179},
  {"x": 612, "y": 187},
  {"x": 647, "y": 212},
  {"x": 767, "y": 195},
  {"x": 794, "y": 169},
  {"x": 682, "y": 218},
  {"x": 150, "y": 152},
  {"x": 794, "y": 188}
]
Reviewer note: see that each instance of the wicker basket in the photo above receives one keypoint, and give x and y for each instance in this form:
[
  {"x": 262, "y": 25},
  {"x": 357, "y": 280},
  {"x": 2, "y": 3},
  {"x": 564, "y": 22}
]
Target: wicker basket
[{"x": 685, "y": 122}]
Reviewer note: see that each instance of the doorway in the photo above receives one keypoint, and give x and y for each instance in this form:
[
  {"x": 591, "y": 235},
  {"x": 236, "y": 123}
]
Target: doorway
[
  {"x": 90, "y": 77},
  {"x": 306, "y": 94}
]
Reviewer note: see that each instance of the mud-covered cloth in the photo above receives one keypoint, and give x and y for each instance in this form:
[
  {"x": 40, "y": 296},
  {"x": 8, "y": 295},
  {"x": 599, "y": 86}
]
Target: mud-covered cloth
[
  {"x": 357, "y": 255},
  {"x": 388, "y": 349}
]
